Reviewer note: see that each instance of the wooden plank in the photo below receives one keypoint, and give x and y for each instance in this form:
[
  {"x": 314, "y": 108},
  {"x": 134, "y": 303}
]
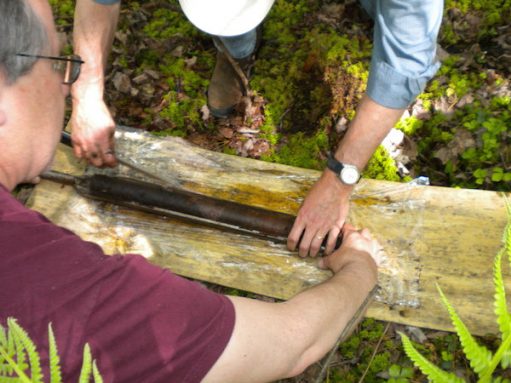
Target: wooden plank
[{"x": 430, "y": 234}]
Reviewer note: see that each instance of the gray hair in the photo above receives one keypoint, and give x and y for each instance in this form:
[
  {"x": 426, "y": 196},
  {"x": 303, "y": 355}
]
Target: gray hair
[{"x": 21, "y": 31}]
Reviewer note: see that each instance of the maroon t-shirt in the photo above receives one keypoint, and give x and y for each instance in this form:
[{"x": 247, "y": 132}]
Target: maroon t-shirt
[{"x": 143, "y": 323}]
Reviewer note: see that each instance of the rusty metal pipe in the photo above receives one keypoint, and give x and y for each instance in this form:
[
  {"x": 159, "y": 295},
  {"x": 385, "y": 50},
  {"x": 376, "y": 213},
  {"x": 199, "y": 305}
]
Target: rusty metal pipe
[{"x": 125, "y": 191}]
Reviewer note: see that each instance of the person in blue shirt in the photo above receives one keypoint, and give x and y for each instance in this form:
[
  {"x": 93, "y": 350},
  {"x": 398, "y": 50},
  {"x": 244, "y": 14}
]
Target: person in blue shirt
[{"x": 403, "y": 60}]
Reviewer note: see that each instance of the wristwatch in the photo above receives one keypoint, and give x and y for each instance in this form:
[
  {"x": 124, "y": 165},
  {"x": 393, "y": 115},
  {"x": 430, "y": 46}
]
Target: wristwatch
[{"x": 348, "y": 174}]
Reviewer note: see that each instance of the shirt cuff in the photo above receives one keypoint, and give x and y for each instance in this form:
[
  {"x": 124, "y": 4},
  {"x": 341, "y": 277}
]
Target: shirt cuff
[{"x": 392, "y": 89}]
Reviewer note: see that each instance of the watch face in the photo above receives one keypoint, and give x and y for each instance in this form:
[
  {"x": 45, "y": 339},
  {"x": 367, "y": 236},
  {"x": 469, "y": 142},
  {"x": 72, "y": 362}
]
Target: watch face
[{"x": 350, "y": 175}]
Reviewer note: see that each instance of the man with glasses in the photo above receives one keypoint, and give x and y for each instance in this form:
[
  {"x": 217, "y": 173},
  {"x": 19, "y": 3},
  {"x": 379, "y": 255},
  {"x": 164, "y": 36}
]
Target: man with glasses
[
  {"x": 403, "y": 60},
  {"x": 144, "y": 324}
]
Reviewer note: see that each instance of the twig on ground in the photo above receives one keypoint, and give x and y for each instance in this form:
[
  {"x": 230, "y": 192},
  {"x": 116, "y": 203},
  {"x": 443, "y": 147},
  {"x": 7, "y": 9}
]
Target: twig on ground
[
  {"x": 374, "y": 352},
  {"x": 347, "y": 330}
]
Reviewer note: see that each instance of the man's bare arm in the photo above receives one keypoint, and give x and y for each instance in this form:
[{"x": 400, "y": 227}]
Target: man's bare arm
[
  {"x": 326, "y": 207},
  {"x": 277, "y": 340},
  {"x": 92, "y": 125}
]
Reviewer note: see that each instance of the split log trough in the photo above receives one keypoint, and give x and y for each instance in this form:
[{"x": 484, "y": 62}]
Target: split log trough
[{"x": 431, "y": 235}]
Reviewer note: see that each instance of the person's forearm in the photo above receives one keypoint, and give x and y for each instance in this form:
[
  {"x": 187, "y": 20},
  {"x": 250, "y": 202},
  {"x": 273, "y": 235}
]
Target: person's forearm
[
  {"x": 371, "y": 125},
  {"x": 273, "y": 341},
  {"x": 326, "y": 309},
  {"x": 94, "y": 29}
]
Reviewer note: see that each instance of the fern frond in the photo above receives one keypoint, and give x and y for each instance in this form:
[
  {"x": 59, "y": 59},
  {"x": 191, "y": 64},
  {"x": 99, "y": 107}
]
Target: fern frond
[
  {"x": 36, "y": 373},
  {"x": 6, "y": 379},
  {"x": 18, "y": 350},
  {"x": 504, "y": 346},
  {"x": 479, "y": 356},
  {"x": 55, "y": 374},
  {"x": 3, "y": 336},
  {"x": 15, "y": 353},
  {"x": 95, "y": 373},
  {"x": 507, "y": 230},
  {"x": 86, "y": 371},
  {"x": 5, "y": 368},
  {"x": 503, "y": 317},
  {"x": 434, "y": 374},
  {"x": 22, "y": 377}
]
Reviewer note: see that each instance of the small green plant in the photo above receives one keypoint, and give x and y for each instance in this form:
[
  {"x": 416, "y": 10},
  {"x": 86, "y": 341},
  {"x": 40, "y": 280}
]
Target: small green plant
[
  {"x": 482, "y": 360},
  {"x": 399, "y": 374},
  {"x": 20, "y": 361}
]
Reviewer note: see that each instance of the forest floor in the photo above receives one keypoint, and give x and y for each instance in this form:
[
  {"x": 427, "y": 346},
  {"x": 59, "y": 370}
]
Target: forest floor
[{"x": 310, "y": 74}]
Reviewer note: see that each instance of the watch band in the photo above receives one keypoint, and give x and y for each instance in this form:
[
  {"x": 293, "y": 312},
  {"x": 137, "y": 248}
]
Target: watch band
[
  {"x": 344, "y": 172},
  {"x": 334, "y": 165}
]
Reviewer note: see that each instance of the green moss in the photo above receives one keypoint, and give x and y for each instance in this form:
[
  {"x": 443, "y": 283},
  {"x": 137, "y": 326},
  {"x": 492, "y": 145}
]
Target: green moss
[
  {"x": 170, "y": 132},
  {"x": 166, "y": 23},
  {"x": 187, "y": 95},
  {"x": 448, "y": 35},
  {"x": 183, "y": 113},
  {"x": 180, "y": 76},
  {"x": 282, "y": 20},
  {"x": 229, "y": 150},
  {"x": 458, "y": 81},
  {"x": 304, "y": 72},
  {"x": 269, "y": 128},
  {"x": 123, "y": 62},
  {"x": 63, "y": 11},
  {"x": 381, "y": 362},
  {"x": 302, "y": 151},
  {"x": 409, "y": 125},
  {"x": 381, "y": 166}
]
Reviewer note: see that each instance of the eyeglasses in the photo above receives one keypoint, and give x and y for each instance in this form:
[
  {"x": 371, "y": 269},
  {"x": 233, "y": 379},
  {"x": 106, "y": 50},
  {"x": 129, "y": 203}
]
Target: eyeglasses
[{"x": 69, "y": 66}]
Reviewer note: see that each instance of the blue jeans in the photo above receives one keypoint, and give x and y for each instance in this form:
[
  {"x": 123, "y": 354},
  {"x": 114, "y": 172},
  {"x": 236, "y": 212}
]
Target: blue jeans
[{"x": 240, "y": 46}]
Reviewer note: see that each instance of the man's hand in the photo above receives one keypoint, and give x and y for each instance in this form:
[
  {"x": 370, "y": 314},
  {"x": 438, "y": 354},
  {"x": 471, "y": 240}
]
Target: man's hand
[
  {"x": 93, "y": 129},
  {"x": 357, "y": 245},
  {"x": 325, "y": 208},
  {"x": 322, "y": 215}
]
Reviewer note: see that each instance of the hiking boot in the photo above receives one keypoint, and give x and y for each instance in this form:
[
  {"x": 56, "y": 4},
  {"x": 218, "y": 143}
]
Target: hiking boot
[{"x": 227, "y": 85}]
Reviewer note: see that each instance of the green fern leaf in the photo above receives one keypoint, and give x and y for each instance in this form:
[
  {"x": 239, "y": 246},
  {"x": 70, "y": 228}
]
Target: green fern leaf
[
  {"x": 36, "y": 374},
  {"x": 55, "y": 375},
  {"x": 22, "y": 377},
  {"x": 479, "y": 356},
  {"x": 95, "y": 372},
  {"x": 20, "y": 351},
  {"x": 5, "y": 368},
  {"x": 11, "y": 348},
  {"x": 5, "y": 379},
  {"x": 500, "y": 379},
  {"x": 486, "y": 377},
  {"x": 503, "y": 317},
  {"x": 434, "y": 374},
  {"x": 506, "y": 238},
  {"x": 3, "y": 336},
  {"x": 86, "y": 371}
]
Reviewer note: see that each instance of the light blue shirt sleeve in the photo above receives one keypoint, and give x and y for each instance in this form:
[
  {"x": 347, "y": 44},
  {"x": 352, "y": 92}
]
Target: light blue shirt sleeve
[
  {"x": 107, "y": 2},
  {"x": 404, "y": 51}
]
